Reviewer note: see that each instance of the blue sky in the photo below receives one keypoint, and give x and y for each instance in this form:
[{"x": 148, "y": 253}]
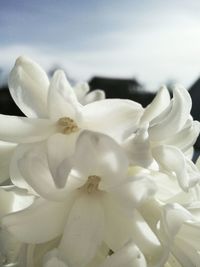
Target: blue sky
[{"x": 151, "y": 40}]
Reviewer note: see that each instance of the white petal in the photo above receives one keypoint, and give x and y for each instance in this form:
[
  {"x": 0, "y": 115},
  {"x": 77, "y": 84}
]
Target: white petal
[
  {"x": 176, "y": 118},
  {"x": 6, "y": 152},
  {"x": 83, "y": 232},
  {"x": 33, "y": 166},
  {"x": 187, "y": 137},
  {"x": 120, "y": 228},
  {"x": 15, "y": 173},
  {"x": 81, "y": 89},
  {"x": 60, "y": 149},
  {"x": 137, "y": 148},
  {"x": 185, "y": 253},
  {"x": 159, "y": 104},
  {"x": 12, "y": 199},
  {"x": 95, "y": 95},
  {"x": 173, "y": 216},
  {"x": 134, "y": 192},
  {"x": 51, "y": 260},
  {"x": 128, "y": 256},
  {"x": 28, "y": 84},
  {"x": 62, "y": 101},
  {"x": 115, "y": 117},
  {"x": 98, "y": 154},
  {"x": 172, "y": 159},
  {"x": 39, "y": 223},
  {"x": 25, "y": 130}
]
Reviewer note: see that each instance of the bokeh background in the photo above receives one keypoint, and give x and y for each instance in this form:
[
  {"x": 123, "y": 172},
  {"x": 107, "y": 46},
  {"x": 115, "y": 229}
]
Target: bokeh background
[{"x": 124, "y": 47}]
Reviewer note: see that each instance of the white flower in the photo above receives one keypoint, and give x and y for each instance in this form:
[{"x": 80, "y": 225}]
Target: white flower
[
  {"x": 11, "y": 200},
  {"x": 180, "y": 231},
  {"x": 84, "y": 96},
  {"x": 127, "y": 256},
  {"x": 97, "y": 204},
  {"x": 53, "y": 108},
  {"x": 166, "y": 135}
]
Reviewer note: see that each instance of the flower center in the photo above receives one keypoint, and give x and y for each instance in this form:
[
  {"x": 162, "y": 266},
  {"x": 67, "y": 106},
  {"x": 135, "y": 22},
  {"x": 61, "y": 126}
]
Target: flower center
[
  {"x": 67, "y": 125},
  {"x": 92, "y": 184}
]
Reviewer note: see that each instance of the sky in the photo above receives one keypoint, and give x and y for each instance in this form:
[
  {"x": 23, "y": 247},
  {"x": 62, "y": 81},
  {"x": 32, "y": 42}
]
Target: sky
[{"x": 153, "y": 41}]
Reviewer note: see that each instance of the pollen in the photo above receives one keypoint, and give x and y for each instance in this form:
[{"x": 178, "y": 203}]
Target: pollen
[
  {"x": 67, "y": 125},
  {"x": 92, "y": 184}
]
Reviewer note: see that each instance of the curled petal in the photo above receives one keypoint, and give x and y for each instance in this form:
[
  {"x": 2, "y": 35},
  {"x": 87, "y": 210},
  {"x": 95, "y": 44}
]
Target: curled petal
[
  {"x": 60, "y": 149},
  {"x": 15, "y": 174},
  {"x": 173, "y": 216},
  {"x": 128, "y": 256},
  {"x": 95, "y": 95},
  {"x": 25, "y": 130},
  {"x": 33, "y": 165},
  {"x": 134, "y": 192},
  {"x": 176, "y": 118},
  {"x": 98, "y": 154},
  {"x": 6, "y": 152},
  {"x": 159, "y": 104},
  {"x": 51, "y": 260},
  {"x": 187, "y": 137},
  {"x": 81, "y": 89},
  {"x": 13, "y": 199},
  {"x": 62, "y": 101},
  {"x": 39, "y": 223},
  {"x": 83, "y": 233},
  {"x": 120, "y": 228},
  {"x": 115, "y": 117},
  {"x": 28, "y": 84},
  {"x": 137, "y": 148},
  {"x": 172, "y": 159}
]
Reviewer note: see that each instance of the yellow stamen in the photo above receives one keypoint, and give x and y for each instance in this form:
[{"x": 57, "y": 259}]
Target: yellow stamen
[
  {"x": 67, "y": 125},
  {"x": 92, "y": 184}
]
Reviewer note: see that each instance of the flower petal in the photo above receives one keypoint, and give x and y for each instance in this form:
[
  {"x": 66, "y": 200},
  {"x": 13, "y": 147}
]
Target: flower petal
[
  {"x": 6, "y": 152},
  {"x": 159, "y": 104},
  {"x": 15, "y": 173},
  {"x": 39, "y": 223},
  {"x": 95, "y": 95},
  {"x": 175, "y": 119},
  {"x": 98, "y": 154},
  {"x": 187, "y": 137},
  {"x": 62, "y": 101},
  {"x": 33, "y": 166},
  {"x": 25, "y": 130},
  {"x": 12, "y": 199},
  {"x": 28, "y": 84},
  {"x": 173, "y": 216},
  {"x": 172, "y": 159},
  {"x": 119, "y": 229},
  {"x": 115, "y": 117},
  {"x": 51, "y": 260},
  {"x": 83, "y": 232},
  {"x": 137, "y": 148},
  {"x": 81, "y": 89},
  {"x": 60, "y": 149},
  {"x": 128, "y": 256},
  {"x": 134, "y": 192}
]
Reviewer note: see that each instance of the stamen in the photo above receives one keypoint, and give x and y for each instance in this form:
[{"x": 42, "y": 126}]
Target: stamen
[
  {"x": 92, "y": 184},
  {"x": 67, "y": 125}
]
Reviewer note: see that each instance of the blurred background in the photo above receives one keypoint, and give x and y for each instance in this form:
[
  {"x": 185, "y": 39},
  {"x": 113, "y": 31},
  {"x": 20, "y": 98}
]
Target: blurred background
[{"x": 128, "y": 48}]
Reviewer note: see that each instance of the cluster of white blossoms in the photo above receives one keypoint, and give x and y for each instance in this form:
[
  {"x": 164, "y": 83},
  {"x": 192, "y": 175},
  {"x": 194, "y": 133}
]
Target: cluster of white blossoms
[{"x": 94, "y": 182}]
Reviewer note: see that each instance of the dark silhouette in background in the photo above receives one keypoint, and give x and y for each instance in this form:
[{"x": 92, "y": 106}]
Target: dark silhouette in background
[{"x": 114, "y": 88}]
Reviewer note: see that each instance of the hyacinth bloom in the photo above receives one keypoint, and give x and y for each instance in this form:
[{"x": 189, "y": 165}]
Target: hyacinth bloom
[
  {"x": 166, "y": 134},
  {"x": 97, "y": 194},
  {"x": 52, "y": 107},
  {"x": 97, "y": 182},
  {"x": 180, "y": 231}
]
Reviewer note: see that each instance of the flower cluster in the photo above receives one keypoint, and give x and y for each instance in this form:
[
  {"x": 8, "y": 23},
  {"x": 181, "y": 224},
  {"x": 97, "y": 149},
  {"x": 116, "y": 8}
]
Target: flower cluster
[{"x": 95, "y": 182}]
